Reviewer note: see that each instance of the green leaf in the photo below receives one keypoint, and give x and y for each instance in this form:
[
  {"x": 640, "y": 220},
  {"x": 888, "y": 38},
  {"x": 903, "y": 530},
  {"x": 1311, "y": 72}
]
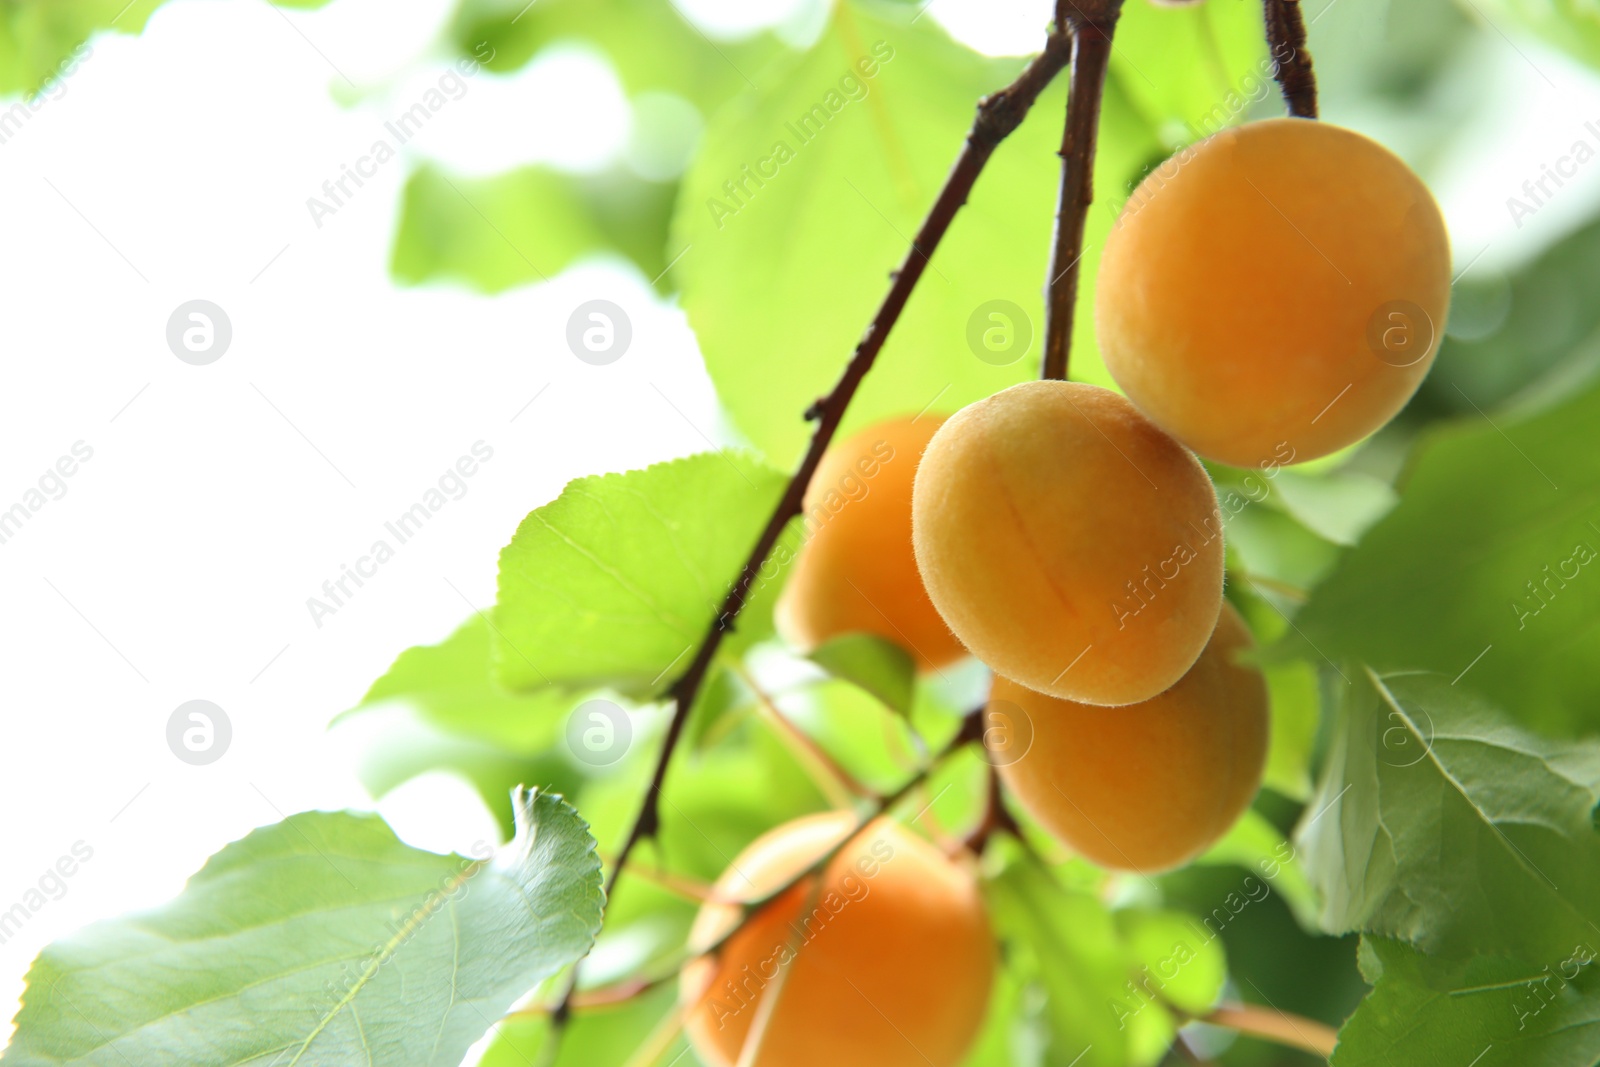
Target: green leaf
[
  {"x": 617, "y": 580},
  {"x": 1570, "y": 25},
  {"x": 1105, "y": 976},
  {"x": 450, "y": 684},
  {"x": 881, "y": 667},
  {"x": 649, "y": 43},
  {"x": 1443, "y": 825},
  {"x": 42, "y": 40},
  {"x": 1257, "y": 846},
  {"x": 1487, "y": 1011},
  {"x": 805, "y": 194},
  {"x": 1192, "y": 70},
  {"x": 1484, "y": 570},
  {"x": 526, "y": 225},
  {"x": 321, "y": 939}
]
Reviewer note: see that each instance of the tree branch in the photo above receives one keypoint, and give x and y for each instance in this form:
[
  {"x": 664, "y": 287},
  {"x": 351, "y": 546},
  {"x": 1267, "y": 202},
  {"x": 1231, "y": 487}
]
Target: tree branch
[
  {"x": 1286, "y": 35},
  {"x": 1090, "y": 25},
  {"x": 999, "y": 114}
]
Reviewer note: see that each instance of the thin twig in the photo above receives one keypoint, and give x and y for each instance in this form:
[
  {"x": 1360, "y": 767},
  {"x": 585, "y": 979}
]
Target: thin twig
[
  {"x": 1286, "y": 36},
  {"x": 998, "y": 115},
  {"x": 1090, "y": 25},
  {"x": 1280, "y": 1027},
  {"x": 996, "y": 818},
  {"x": 835, "y": 783}
]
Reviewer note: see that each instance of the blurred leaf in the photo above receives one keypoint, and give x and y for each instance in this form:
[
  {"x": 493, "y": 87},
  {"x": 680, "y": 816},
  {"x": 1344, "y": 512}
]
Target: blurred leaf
[
  {"x": 1483, "y": 571},
  {"x": 1104, "y": 975},
  {"x": 1192, "y": 70},
  {"x": 1294, "y": 692},
  {"x": 804, "y": 196},
  {"x": 1338, "y": 506},
  {"x": 649, "y": 43},
  {"x": 43, "y": 40},
  {"x": 595, "y": 1037},
  {"x": 451, "y": 686},
  {"x": 325, "y": 939},
  {"x": 1256, "y": 845},
  {"x": 1570, "y": 25},
  {"x": 1440, "y": 824},
  {"x": 879, "y": 666},
  {"x": 1487, "y": 1011},
  {"x": 617, "y": 580},
  {"x": 1522, "y": 330},
  {"x": 526, "y": 225}
]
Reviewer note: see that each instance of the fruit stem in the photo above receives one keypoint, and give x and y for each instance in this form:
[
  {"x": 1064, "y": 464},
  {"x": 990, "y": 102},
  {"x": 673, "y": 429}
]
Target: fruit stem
[
  {"x": 1286, "y": 36},
  {"x": 1089, "y": 26},
  {"x": 1280, "y": 1027}
]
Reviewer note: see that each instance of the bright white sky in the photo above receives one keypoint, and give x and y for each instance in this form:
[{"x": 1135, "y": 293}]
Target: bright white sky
[{"x": 177, "y": 565}]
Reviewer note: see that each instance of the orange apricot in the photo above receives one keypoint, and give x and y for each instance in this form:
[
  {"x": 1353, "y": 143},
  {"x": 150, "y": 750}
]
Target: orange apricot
[
  {"x": 1148, "y": 787},
  {"x": 884, "y": 957},
  {"x": 856, "y": 573},
  {"x": 1069, "y": 543},
  {"x": 1275, "y": 292}
]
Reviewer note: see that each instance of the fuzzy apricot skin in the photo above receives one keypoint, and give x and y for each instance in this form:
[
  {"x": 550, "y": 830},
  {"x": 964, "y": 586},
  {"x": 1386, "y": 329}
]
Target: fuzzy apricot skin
[
  {"x": 856, "y": 573},
  {"x": 1149, "y": 787},
  {"x": 1262, "y": 288},
  {"x": 888, "y": 960},
  {"x": 1069, "y": 543}
]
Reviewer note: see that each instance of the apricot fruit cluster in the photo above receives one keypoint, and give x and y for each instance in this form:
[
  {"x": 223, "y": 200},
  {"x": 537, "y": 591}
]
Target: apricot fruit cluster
[{"x": 883, "y": 956}]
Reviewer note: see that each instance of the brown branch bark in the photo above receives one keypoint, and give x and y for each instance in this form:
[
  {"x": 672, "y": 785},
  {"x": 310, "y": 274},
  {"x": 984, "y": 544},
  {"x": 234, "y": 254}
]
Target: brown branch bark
[
  {"x": 999, "y": 114},
  {"x": 1090, "y": 25},
  {"x": 1286, "y": 36}
]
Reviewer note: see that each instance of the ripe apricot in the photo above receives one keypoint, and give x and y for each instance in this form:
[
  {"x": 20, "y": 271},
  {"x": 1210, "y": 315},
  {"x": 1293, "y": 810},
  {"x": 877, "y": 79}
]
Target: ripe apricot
[
  {"x": 1148, "y": 787},
  {"x": 856, "y": 573},
  {"x": 885, "y": 958},
  {"x": 1275, "y": 292},
  {"x": 1069, "y": 543}
]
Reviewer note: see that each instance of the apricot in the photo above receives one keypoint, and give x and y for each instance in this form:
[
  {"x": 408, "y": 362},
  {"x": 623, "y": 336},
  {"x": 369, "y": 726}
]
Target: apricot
[
  {"x": 1069, "y": 543},
  {"x": 883, "y": 957},
  {"x": 1275, "y": 292},
  {"x": 1148, "y": 787},
  {"x": 856, "y": 573}
]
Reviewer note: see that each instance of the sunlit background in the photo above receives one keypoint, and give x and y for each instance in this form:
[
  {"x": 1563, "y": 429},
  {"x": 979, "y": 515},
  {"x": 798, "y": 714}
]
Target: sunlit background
[{"x": 178, "y": 561}]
